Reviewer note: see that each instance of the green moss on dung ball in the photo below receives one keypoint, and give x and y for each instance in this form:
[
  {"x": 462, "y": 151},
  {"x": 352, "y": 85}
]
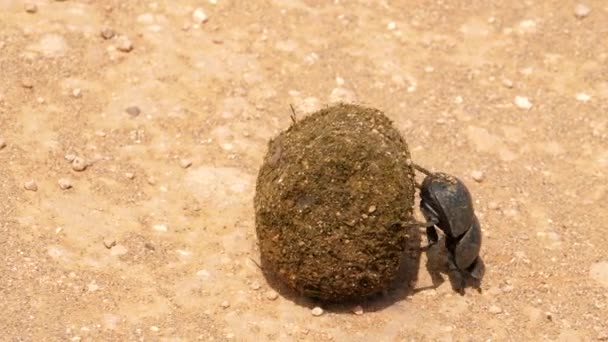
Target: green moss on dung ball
[{"x": 328, "y": 195}]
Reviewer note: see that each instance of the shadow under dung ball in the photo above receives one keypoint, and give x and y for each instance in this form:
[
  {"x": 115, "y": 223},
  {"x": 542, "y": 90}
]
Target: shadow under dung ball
[{"x": 328, "y": 196}]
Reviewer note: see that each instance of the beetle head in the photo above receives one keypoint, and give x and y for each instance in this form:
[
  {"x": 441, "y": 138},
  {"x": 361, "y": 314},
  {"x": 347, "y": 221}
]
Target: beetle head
[{"x": 448, "y": 199}]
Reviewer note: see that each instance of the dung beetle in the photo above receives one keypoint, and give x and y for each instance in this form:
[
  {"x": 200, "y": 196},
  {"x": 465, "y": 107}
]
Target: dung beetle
[{"x": 445, "y": 203}]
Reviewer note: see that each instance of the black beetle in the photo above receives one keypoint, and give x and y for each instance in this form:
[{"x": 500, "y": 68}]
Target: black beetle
[{"x": 446, "y": 204}]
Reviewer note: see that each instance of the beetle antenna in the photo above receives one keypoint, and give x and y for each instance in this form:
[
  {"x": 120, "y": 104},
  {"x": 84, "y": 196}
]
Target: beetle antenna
[
  {"x": 421, "y": 169},
  {"x": 293, "y": 116}
]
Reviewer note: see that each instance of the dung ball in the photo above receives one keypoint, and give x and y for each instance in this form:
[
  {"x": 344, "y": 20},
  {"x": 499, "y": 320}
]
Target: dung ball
[{"x": 329, "y": 198}]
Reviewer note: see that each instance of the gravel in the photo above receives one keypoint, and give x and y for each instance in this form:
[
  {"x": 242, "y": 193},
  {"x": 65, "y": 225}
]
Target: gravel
[
  {"x": 271, "y": 295},
  {"x": 64, "y": 184},
  {"x": 133, "y": 111},
  {"x": 124, "y": 44},
  {"x": 523, "y": 102},
  {"x": 478, "y": 176},
  {"x": 582, "y": 11},
  {"x": 31, "y": 8},
  {"x": 30, "y": 185},
  {"x": 317, "y": 311},
  {"x": 79, "y": 164}
]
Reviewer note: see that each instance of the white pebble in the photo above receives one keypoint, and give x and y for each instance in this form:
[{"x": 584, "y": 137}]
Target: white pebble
[
  {"x": 124, "y": 44},
  {"x": 358, "y": 310},
  {"x": 495, "y": 309},
  {"x": 317, "y": 311},
  {"x": 154, "y": 328},
  {"x": 30, "y": 185},
  {"x": 225, "y": 304},
  {"x": 523, "y": 102},
  {"x": 160, "y": 227},
  {"x": 255, "y": 286},
  {"x": 77, "y": 92},
  {"x": 79, "y": 164},
  {"x": 185, "y": 163},
  {"x": 582, "y": 11},
  {"x": 199, "y": 16},
  {"x": 130, "y": 175},
  {"x": 478, "y": 176},
  {"x": 391, "y": 25},
  {"x": 583, "y": 97},
  {"x": 31, "y": 8},
  {"x": 507, "y": 83},
  {"x": 272, "y": 295},
  {"x": 64, "y": 184}
]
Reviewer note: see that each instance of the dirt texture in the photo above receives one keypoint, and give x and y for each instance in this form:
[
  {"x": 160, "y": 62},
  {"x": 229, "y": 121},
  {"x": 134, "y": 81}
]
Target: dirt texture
[
  {"x": 331, "y": 199},
  {"x": 132, "y": 132}
]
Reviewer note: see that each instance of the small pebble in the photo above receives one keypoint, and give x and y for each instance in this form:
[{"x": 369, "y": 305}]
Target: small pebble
[
  {"x": 70, "y": 157},
  {"x": 79, "y": 164},
  {"x": 506, "y": 288},
  {"x": 507, "y": 83},
  {"x": 107, "y": 33},
  {"x": 27, "y": 83},
  {"x": 151, "y": 180},
  {"x": 77, "y": 92},
  {"x": 478, "y": 176},
  {"x": 31, "y": 8},
  {"x": 582, "y": 11},
  {"x": 30, "y": 185},
  {"x": 160, "y": 227},
  {"x": 317, "y": 311},
  {"x": 272, "y": 295},
  {"x": 495, "y": 309},
  {"x": 391, "y": 25},
  {"x": 225, "y": 304},
  {"x": 583, "y": 97},
  {"x": 2, "y": 143},
  {"x": 130, "y": 175},
  {"x": 154, "y": 328},
  {"x": 124, "y": 44},
  {"x": 255, "y": 286},
  {"x": 493, "y": 205},
  {"x": 523, "y": 102},
  {"x": 371, "y": 209},
  {"x": 358, "y": 310},
  {"x": 185, "y": 163},
  {"x": 133, "y": 111},
  {"x": 64, "y": 184},
  {"x": 199, "y": 16}
]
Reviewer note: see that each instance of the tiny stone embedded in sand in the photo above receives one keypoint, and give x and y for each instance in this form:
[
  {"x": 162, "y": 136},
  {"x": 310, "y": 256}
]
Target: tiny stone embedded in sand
[
  {"x": 133, "y": 111},
  {"x": 2, "y": 143},
  {"x": 124, "y": 44},
  {"x": 316, "y": 311},
  {"x": 225, "y": 304},
  {"x": 185, "y": 163},
  {"x": 478, "y": 176},
  {"x": 64, "y": 184},
  {"x": 30, "y": 185},
  {"x": 107, "y": 33},
  {"x": 523, "y": 102},
  {"x": 79, "y": 164},
  {"x": 30, "y": 8},
  {"x": 581, "y": 11},
  {"x": 271, "y": 295},
  {"x": 495, "y": 309},
  {"x": 358, "y": 310},
  {"x": 160, "y": 227},
  {"x": 199, "y": 16}
]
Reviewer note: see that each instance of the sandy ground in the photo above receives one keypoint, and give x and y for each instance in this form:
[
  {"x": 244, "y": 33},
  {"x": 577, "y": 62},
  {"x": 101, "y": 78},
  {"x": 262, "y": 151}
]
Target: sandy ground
[{"x": 154, "y": 239}]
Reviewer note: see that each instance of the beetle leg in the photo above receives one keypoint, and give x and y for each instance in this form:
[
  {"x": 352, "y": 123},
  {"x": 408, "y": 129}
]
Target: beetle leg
[
  {"x": 431, "y": 236},
  {"x": 459, "y": 280}
]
